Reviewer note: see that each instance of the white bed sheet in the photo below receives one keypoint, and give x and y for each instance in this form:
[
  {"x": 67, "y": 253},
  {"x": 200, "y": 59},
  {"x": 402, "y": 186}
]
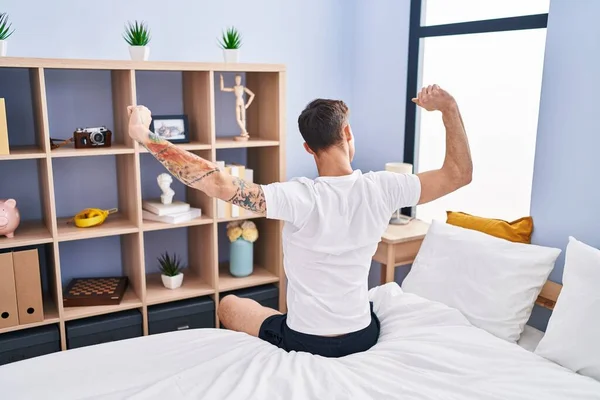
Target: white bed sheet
[
  {"x": 426, "y": 351},
  {"x": 530, "y": 338}
]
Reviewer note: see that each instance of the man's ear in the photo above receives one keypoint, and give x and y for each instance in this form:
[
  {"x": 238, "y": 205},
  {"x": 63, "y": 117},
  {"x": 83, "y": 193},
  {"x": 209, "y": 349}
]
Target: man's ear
[
  {"x": 348, "y": 133},
  {"x": 308, "y": 149}
]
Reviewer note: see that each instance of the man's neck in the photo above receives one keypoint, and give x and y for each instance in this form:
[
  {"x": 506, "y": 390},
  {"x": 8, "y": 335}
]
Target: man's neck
[{"x": 333, "y": 163}]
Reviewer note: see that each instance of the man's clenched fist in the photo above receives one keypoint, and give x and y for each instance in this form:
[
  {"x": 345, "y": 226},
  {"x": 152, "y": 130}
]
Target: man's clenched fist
[
  {"x": 139, "y": 122},
  {"x": 434, "y": 98}
]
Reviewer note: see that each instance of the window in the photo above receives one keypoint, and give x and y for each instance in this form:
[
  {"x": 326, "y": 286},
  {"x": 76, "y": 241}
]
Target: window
[
  {"x": 438, "y": 12},
  {"x": 494, "y": 70}
]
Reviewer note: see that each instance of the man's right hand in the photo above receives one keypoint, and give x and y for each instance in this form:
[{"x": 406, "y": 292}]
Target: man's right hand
[
  {"x": 140, "y": 118},
  {"x": 433, "y": 98},
  {"x": 457, "y": 168}
]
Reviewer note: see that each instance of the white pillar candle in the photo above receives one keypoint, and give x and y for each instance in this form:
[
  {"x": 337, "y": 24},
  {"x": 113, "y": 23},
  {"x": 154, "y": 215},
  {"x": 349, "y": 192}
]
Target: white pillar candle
[{"x": 401, "y": 168}]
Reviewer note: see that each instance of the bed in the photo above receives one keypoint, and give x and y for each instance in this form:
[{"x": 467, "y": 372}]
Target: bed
[{"x": 427, "y": 350}]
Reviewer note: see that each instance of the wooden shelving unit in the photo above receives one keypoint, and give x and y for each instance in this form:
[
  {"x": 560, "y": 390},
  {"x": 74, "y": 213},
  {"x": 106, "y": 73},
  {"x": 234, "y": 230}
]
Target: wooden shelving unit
[
  {"x": 50, "y": 317},
  {"x": 261, "y": 276},
  {"x": 45, "y": 82}
]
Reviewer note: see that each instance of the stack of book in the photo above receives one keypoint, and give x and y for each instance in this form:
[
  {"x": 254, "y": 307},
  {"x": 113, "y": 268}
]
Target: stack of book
[{"x": 175, "y": 213}]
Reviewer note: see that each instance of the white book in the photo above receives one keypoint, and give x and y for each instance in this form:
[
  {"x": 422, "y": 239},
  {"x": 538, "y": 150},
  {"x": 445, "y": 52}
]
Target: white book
[
  {"x": 248, "y": 177},
  {"x": 221, "y": 205},
  {"x": 235, "y": 171},
  {"x": 173, "y": 218},
  {"x": 156, "y": 207}
]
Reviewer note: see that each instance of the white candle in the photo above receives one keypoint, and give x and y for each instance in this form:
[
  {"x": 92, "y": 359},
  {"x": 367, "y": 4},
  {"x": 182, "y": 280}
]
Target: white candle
[{"x": 401, "y": 168}]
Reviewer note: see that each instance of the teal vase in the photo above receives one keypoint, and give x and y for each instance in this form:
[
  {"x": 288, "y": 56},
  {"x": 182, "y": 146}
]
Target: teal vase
[{"x": 241, "y": 262}]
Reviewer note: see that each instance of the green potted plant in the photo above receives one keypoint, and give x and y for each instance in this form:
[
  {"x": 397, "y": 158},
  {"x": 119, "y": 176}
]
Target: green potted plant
[
  {"x": 5, "y": 33},
  {"x": 137, "y": 35},
  {"x": 230, "y": 42},
  {"x": 170, "y": 268}
]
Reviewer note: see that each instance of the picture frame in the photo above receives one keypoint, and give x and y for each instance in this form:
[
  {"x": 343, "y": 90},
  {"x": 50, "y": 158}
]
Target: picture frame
[{"x": 173, "y": 128}]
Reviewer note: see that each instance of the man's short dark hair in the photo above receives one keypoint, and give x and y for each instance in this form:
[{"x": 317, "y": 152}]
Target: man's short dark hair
[{"x": 321, "y": 123}]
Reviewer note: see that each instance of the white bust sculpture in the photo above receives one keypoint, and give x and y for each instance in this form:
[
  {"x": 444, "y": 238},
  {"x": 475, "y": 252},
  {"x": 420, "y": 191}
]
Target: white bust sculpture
[{"x": 164, "y": 183}]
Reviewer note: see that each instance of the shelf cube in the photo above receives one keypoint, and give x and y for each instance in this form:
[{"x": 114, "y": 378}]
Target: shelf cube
[
  {"x": 24, "y": 93},
  {"x": 175, "y": 93},
  {"x": 110, "y": 256},
  {"x": 194, "y": 248},
  {"x": 89, "y": 98},
  {"x": 104, "y": 182}
]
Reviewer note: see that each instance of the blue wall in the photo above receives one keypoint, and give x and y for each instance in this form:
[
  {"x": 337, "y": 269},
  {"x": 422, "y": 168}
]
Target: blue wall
[
  {"x": 379, "y": 82},
  {"x": 313, "y": 38},
  {"x": 379, "y": 88},
  {"x": 566, "y": 195},
  {"x": 338, "y": 49}
]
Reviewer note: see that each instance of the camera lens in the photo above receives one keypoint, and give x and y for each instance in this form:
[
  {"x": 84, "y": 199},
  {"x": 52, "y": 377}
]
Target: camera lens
[{"x": 98, "y": 138}]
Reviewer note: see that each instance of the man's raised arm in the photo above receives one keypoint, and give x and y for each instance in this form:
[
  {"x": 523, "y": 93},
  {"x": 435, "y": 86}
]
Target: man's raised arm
[
  {"x": 192, "y": 170},
  {"x": 457, "y": 169}
]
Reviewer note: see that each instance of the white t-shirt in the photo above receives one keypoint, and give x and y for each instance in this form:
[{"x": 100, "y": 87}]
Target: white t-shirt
[{"x": 331, "y": 231}]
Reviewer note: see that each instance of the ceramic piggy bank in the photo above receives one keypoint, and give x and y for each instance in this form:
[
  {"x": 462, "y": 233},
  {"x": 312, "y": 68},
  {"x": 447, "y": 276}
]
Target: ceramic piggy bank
[{"x": 9, "y": 217}]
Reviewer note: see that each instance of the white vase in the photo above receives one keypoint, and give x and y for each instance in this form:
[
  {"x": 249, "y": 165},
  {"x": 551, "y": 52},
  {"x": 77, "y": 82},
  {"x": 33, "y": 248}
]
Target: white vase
[
  {"x": 231, "y": 55},
  {"x": 139, "y": 53},
  {"x": 3, "y": 47},
  {"x": 172, "y": 282}
]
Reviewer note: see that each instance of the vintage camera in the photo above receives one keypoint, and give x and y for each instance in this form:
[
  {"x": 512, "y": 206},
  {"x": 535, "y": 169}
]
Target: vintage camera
[{"x": 92, "y": 137}]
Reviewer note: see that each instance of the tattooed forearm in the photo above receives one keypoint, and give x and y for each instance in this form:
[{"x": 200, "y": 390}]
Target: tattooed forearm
[
  {"x": 196, "y": 172},
  {"x": 248, "y": 195},
  {"x": 185, "y": 166}
]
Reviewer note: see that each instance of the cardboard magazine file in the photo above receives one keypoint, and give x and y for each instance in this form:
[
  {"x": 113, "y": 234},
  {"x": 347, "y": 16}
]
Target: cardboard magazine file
[
  {"x": 4, "y": 149},
  {"x": 8, "y": 293},
  {"x": 29, "y": 286}
]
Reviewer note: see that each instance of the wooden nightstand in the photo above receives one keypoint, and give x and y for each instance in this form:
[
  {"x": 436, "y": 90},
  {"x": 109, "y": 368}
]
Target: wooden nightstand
[{"x": 399, "y": 246}]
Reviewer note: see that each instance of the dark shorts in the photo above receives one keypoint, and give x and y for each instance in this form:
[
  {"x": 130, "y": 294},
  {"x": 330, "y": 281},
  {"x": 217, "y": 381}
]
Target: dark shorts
[{"x": 274, "y": 330}]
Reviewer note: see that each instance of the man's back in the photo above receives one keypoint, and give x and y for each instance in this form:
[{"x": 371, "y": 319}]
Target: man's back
[{"x": 332, "y": 227}]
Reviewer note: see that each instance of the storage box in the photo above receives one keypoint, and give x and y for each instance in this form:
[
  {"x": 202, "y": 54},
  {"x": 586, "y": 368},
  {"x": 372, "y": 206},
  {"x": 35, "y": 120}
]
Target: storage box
[
  {"x": 104, "y": 328},
  {"x": 29, "y": 343},
  {"x": 179, "y": 315},
  {"x": 266, "y": 295}
]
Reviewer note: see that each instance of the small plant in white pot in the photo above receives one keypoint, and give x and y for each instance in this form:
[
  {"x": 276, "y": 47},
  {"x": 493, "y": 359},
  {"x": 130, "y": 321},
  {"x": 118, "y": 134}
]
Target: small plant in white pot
[
  {"x": 137, "y": 35},
  {"x": 231, "y": 41},
  {"x": 5, "y": 33},
  {"x": 170, "y": 268}
]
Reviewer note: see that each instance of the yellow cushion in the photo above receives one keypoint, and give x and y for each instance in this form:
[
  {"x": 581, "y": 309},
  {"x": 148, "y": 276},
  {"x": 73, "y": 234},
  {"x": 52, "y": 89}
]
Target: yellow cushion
[{"x": 516, "y": 231}]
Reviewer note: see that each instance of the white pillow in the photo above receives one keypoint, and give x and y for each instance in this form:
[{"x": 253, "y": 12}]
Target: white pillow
[
  {"x": 572, "y": 337},
  {"x": 492, "y": 281}
]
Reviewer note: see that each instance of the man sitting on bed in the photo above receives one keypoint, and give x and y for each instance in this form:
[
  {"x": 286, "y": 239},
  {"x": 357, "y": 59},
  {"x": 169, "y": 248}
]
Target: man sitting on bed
[{"x": 332, "y": 223}]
